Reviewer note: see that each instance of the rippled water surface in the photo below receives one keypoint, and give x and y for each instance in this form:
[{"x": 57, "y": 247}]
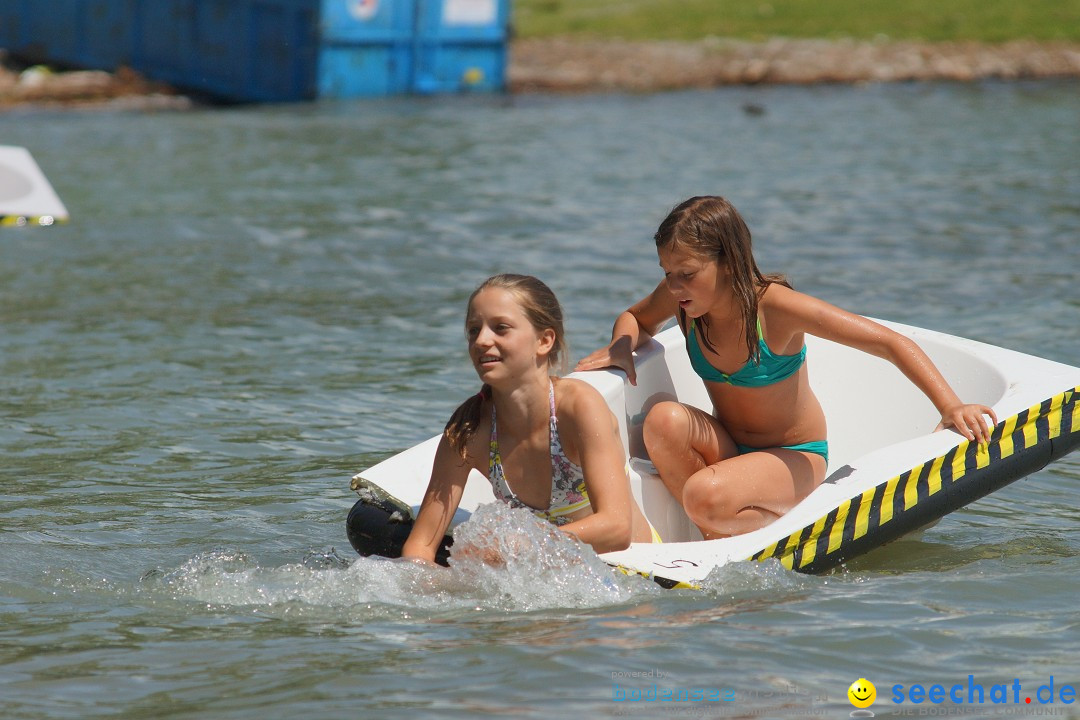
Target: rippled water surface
[{"x": 252, "y": 304}]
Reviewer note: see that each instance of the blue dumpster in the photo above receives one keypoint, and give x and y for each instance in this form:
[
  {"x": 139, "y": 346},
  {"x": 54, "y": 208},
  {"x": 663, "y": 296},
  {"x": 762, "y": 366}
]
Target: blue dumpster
[
  {"x": 273, "y": 50},
  {"x": 461, "y": 45},
  {"x": 11, "y": 14},
  {"x": 283, "y": 52},
  {"x": 56, "y": 36},
  {"x": 246, "y": 51},
  {"x": 75, "y": 33},
  {"x": 164, "y": 40},
  {"x": 366, "y": 47},
  {"x": 105, "y": 34}
]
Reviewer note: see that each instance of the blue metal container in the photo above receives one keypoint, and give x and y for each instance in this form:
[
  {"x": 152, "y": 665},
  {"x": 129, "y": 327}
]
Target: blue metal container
[
  {"x": 12, "y": 15},
  {"x": 283, "y": 51},
  {"x": 461, "y": 45},
  {"x": 366, "y": 47},
  {"x": 106, "y": 33},
  {"x": 238, "y": 50},
  {"x": 71, "y": 33},
  {"x": 273, "y": 50},
  {"x": 55, "y": 35},
  {"x": 164, "y": 44}
]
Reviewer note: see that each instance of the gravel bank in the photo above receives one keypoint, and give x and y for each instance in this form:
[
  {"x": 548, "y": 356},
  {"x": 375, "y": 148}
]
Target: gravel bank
[
  {"x": 564, "y": 65},
  {"x": 40, "y": 86}
]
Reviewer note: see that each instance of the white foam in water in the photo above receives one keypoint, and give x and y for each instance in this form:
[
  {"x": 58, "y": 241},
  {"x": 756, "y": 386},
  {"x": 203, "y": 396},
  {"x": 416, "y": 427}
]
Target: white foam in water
[
  {"x": 503, "y": 558},
  {"x": 509, "y": 554},
  {"x": 225, "y": 578},
  {"x": 744, "y": 580}
]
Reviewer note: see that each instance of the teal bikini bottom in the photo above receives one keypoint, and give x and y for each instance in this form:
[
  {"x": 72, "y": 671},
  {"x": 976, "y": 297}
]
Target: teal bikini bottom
[{"x": 818, "y": 447}]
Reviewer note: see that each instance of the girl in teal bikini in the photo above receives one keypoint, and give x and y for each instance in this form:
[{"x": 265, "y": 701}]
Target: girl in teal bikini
[{"x": 764, "y": 447}]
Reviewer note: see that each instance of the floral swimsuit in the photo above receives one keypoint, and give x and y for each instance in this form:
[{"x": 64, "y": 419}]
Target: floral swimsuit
[{"x": 568, "y": 494}]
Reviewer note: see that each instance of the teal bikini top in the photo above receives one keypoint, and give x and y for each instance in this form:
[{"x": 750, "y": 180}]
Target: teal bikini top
[{"x": 770, "y": 368}]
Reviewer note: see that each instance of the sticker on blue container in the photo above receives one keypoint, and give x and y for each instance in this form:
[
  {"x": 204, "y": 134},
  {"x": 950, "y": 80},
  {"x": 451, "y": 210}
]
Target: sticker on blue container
[
  {"x": 469, "y": 12},
  {"x": 363, "y": 9}
]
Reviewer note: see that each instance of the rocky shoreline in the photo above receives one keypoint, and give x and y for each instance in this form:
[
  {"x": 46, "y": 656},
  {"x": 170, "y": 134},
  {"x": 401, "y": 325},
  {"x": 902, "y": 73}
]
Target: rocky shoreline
[
  {"x": 39, "y": 86},
  {"x": 560, "y": 65},
  {"x": 573, "y": 65}
]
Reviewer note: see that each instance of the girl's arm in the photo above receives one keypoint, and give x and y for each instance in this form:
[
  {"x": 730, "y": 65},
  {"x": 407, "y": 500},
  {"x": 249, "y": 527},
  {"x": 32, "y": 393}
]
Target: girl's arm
[
  {"x": 803, "y": 313},
  {"x": 633, "y": 328},
  {"x": 587, "y": 420},
  {"x": 444, "y": 491}
]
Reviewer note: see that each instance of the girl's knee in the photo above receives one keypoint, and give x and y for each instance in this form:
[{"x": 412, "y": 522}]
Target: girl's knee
[
  {"x": 665, "y": 420},
  {"x": 707, "y": 501}
]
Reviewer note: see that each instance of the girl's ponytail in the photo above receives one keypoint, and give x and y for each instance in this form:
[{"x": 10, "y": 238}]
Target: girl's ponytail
[{"x": 463, "y": 423}]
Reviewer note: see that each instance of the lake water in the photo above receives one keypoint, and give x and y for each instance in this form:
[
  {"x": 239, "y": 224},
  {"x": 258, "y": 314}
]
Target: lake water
[{"x": 252, "y": 304}]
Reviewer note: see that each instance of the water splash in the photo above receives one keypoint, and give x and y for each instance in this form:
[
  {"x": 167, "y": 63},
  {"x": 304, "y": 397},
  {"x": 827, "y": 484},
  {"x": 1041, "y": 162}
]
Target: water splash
[
  {"x": 514, "y": 560},
  {"x": 748, "y": 578},
  {"x": 502, "y": 559}
]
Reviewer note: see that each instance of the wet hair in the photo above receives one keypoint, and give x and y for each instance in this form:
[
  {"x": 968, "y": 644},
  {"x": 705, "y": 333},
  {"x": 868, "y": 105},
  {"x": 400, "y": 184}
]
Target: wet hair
[
  {"x": 711, "y": 228},
  {"x": 543, "y": 311}
]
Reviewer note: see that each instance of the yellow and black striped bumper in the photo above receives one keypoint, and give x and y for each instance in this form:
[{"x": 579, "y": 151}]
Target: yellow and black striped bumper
[{"x": 1018, "y": 446}]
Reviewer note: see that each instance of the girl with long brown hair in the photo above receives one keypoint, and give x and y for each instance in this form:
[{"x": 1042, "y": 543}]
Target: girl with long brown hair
[
  {"x": 545, "y": 443},
  {"x": 764, "y": 446}
]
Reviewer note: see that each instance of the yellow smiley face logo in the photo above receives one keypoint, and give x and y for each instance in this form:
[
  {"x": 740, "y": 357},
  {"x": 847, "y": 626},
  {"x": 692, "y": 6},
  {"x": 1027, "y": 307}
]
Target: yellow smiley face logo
[{"x": 862, "y": 693}]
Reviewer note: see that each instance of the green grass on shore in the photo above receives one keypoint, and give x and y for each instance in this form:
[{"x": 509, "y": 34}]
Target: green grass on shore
[{"x": 992, "y": 21}]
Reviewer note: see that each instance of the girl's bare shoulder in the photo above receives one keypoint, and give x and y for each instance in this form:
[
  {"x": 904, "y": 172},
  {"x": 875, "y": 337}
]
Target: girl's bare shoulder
[
  {"x": 779, "y": 295},
  {"x": 783, "y": 304},
  {"x": 578, "y": 399},
  {"x": 573, "y": 390},
  {"x": 784, "y": 313}
]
